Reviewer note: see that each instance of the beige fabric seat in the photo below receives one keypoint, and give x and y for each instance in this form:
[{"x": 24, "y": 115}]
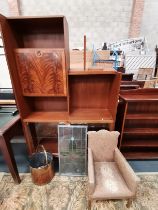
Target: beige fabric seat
[{"x": 110, "y": 175}]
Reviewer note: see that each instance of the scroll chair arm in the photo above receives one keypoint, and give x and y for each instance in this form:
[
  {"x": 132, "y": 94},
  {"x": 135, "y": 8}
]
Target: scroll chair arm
[
  {"x": 91, "y": 175},
  {"x": 127, "y": 172}
]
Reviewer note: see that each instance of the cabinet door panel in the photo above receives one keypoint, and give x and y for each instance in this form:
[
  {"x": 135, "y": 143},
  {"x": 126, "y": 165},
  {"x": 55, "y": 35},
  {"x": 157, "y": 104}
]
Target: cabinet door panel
[{"x": 42, "y": 71}]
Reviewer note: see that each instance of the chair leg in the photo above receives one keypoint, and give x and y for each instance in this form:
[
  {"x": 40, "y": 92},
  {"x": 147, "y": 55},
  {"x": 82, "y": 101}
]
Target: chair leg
[
  {"x": 129, "y": 203},
  {"x": 89, "y": 204}
]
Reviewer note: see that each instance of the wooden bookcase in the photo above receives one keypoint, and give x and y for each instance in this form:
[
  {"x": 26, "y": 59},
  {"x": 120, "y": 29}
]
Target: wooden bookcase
[
  {"x": 47, "y": 92},
  {"x": 137, "y": 121}
]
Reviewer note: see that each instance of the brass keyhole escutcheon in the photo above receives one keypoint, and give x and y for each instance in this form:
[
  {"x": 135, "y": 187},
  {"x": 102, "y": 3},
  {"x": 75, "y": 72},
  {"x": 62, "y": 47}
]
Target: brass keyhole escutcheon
[{"x": 38, "y": 53}]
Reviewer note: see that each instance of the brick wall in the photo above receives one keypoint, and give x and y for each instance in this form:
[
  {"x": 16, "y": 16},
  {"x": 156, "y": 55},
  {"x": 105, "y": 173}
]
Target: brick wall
[{"x": 136, "y": 18}]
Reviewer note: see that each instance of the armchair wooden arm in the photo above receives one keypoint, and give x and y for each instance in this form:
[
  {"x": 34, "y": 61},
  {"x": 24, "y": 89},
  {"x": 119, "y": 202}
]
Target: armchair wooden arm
[
  {"x": 127, "y": 172},
  {"x": 91, "y": 176}
]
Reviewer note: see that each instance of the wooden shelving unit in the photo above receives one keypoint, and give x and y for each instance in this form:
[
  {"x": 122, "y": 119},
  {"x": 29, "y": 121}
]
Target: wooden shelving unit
[
  {"x": 91, "y": 116},
  {"x": 142, "y": 131},
  {"x": 47, "y": 117},
  {"x": 91, "y": 72},
  {"x": 138, "y": 143},
  {"x": 137, "y": 121},
  {"x": 142, "y": 155},
  {"x": 46, "y": 90},
  {"x": 142, "y": 116}
]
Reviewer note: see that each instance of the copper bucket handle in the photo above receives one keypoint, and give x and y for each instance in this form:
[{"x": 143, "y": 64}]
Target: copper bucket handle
[{"x": 37, "y": 150}]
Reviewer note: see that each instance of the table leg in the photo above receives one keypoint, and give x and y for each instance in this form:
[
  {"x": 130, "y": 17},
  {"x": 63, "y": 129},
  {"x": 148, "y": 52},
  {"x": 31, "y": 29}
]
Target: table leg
[{"x": 7, "y": 152}]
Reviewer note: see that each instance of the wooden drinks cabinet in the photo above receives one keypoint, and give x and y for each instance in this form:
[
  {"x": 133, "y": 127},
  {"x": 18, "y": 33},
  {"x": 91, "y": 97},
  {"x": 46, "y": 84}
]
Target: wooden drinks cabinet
[{"x": 47, "y": 92}]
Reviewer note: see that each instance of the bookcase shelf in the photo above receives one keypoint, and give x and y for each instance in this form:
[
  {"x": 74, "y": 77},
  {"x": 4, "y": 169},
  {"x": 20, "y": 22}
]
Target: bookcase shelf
[
  {"x": 138, "y": 143},
  {"x": 91, "y": 116},
  {"x": 141, "y": 155},
  {"x": 91, "y": 72},
  {"x": 47, "y": 117},
  {"x": 76, "y": 116},
  {"x": 142, "y": 116},
  {"x": 142, "y": 131}
]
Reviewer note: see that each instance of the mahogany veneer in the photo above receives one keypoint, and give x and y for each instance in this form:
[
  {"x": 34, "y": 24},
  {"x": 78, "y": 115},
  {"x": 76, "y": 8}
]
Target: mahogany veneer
[{"x": 42, "y": 71}]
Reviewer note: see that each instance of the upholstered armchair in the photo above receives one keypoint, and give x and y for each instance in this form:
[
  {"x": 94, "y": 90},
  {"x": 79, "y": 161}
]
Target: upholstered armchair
[{"x": 109, "y": 174}]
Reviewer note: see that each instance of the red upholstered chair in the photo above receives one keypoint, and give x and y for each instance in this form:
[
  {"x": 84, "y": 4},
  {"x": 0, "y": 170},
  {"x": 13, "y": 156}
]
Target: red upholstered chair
[{"x": 110, "y": 175}]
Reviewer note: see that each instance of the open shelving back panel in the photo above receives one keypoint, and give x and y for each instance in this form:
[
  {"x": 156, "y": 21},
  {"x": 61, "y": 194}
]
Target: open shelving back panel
[
  {"x": 146, "y": 107},
  {"x": 47, "y": 104},
  {"x": 89, "y": 91},
  {"x": 39, "y": 32},
  {"x": 91, "y": 96}
]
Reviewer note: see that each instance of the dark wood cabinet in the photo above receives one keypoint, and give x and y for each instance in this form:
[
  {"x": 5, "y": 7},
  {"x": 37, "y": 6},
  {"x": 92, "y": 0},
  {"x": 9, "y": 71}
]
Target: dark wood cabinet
[
  {"x": 47, "y": 92},
  {"x": 137, "y": 121}
]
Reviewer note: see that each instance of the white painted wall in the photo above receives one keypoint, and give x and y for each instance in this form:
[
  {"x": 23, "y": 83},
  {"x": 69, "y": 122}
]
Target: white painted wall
[{"x": 4, "y": 72}]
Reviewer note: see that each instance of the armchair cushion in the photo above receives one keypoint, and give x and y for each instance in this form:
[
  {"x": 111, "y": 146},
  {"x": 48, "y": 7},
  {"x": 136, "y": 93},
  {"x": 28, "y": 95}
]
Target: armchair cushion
[
  {"x": 102, "y": 144},
  {"x": 109, "y": 182}
]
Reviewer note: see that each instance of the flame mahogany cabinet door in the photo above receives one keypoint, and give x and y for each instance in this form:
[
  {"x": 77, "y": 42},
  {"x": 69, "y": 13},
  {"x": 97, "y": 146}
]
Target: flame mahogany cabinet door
[{"x": 42, "y": 71}]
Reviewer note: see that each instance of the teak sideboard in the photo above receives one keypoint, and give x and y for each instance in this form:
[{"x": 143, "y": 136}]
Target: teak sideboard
[
  {"x": 137, "y": 121},
  {"x": 46, "y": 90}
]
